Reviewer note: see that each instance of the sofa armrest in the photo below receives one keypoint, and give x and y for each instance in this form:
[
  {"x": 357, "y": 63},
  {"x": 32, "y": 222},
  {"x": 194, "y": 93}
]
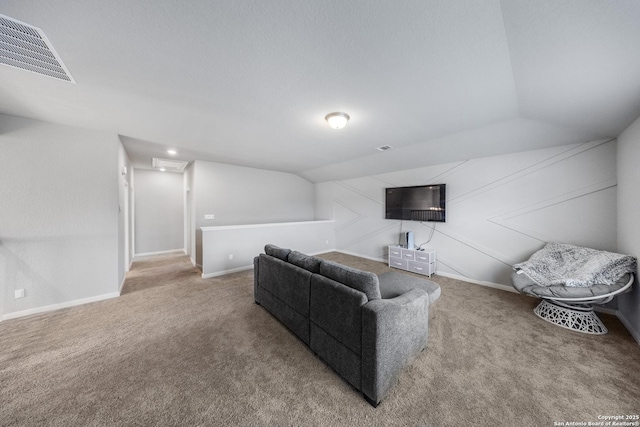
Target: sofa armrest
[{"x": 393, "y": 332}]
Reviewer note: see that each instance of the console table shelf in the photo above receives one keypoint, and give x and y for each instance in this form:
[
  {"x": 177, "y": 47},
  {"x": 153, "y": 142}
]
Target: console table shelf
[{"x": 416, "y": 261}]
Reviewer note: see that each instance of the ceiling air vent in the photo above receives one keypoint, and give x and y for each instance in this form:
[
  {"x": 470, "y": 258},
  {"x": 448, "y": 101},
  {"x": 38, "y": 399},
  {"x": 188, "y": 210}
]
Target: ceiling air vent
[
  {"x": 384, "y": 148},
  {"x": 27, "y": 48},
  {"x": 169, "y": 165}
]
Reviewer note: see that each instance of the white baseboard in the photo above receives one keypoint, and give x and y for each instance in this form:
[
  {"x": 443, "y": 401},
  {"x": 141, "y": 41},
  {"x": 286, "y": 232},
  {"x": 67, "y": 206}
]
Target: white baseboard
[
  {"x": 439, "y": 273},
  {"x": 359, "y": 255},
  {"x": 171, "y": 251},
  {"x": 324, "y": 251},
  {"x": 478, "y": 282},
  {"x": 122, "y": 285},
  {"x": 53, "y": 307},
  {"x": 225, "y": 272}
]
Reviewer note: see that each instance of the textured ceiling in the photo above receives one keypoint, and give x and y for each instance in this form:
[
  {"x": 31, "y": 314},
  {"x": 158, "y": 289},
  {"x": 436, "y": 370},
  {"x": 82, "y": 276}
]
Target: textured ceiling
[{"x": 249, "y": 82}]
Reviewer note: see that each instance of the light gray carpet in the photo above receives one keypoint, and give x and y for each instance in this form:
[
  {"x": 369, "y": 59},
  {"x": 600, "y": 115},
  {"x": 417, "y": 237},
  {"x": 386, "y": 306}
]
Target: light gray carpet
[{"x": 175, "y": 349}]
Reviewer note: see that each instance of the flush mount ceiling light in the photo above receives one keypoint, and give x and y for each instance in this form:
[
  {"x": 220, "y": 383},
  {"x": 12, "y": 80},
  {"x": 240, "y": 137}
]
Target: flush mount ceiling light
[
  {"x": 172, "y": 152},
  {"x": 337, "y": 120}
]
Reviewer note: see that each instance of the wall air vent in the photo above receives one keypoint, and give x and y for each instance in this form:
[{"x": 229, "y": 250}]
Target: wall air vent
[
  {"x": 384, "y": 148},
  {"x": 169, "y": 165},
  {"x": 27, "y": 48}
]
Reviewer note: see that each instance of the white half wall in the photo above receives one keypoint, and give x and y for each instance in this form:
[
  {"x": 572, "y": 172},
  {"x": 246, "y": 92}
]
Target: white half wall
[
  {"x": 499, "y": 209},
  {"x": 228, "y": 249},
  {"x": 629, "y": 219},
  {"x": 159, "y": 205},
  {"x": 238, "y": 195},
  {"x": 58, "y": 215}
]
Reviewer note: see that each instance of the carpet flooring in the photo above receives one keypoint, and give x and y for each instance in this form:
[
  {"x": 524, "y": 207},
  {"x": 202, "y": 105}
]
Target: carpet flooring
[{"x": 178, "y": 350}]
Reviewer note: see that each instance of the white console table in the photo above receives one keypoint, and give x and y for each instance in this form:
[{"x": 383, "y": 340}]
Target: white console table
[{"x": 416, "y": 261}]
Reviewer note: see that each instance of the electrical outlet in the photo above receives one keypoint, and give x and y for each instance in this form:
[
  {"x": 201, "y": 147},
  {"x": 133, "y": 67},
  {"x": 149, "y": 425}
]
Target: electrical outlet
[
  {"x": 19, "y": 293},
  {"x": 210, "y": 216}
]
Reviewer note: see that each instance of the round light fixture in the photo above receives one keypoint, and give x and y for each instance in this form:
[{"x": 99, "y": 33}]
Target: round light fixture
[
  {"x": 337, "y": 120},
  {"x": 172, "y": 152}
]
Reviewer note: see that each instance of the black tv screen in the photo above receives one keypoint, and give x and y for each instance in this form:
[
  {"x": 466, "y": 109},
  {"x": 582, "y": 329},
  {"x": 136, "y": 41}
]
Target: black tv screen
[{"x": 419, "y": 203}]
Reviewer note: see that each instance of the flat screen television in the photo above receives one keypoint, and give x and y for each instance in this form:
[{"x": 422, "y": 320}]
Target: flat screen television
[{"x": 419, "y": 203}]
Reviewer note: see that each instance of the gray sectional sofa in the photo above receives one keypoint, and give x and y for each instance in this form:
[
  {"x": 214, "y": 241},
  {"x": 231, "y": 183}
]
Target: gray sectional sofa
[{"x": 365, "y": 327}]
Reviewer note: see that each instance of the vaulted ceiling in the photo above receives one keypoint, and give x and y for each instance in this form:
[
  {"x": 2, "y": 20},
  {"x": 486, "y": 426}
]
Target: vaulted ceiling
[{"x": 248, "y": 82}]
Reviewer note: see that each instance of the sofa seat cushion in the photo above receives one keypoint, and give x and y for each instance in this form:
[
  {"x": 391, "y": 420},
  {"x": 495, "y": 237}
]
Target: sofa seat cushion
[
  {"x": 363, "y": 281},
  {"x": 393, "y": 284}
]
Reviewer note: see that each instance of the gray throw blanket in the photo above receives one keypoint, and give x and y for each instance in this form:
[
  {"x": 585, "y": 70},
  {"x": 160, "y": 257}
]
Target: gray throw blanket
[{"x": 568, "y": 265}]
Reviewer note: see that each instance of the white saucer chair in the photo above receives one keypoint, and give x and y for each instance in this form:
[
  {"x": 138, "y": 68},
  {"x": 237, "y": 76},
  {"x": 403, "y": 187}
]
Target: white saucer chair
[{"x": 571, "y": 307}]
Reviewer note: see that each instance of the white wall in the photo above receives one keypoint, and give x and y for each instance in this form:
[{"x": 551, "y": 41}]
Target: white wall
[
  {"x": 499, "y": 209},
  {"x": 58, "y": 215},
  {"x": 629, "y": 218},
  {"x": 240, "y": 195},
  {"x": 126, "y": 214},
  {"x": 231, "y": 248},
  {"x": 159, "y": 205},
  {"x": 189, "y": 213}
]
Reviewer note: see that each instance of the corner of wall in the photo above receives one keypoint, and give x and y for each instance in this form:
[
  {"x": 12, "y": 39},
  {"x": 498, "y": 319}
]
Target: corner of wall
[{"x": 628, "y": 212}]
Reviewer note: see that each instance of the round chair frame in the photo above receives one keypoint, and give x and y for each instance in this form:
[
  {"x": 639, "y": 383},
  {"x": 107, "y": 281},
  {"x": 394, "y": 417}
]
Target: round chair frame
[{"x": 577, "y": 313}]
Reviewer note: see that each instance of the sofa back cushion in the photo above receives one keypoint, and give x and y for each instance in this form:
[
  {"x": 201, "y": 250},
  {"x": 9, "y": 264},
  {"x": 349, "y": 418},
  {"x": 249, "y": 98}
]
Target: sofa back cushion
[
  {"x": 337, "y": 310},
  {"x": 277, "y": 252},
  {"x": 307, "y": 262},
  {"x": 287, "y": 282},
  {"x": 363, "y": 281}
]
